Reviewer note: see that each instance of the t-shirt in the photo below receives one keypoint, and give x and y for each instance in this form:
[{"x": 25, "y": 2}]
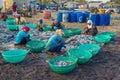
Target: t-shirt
[
  {"x": 24, "y": 5},
  {"x": 20, "y": 36},
  {"x": 1, "y": 4}
]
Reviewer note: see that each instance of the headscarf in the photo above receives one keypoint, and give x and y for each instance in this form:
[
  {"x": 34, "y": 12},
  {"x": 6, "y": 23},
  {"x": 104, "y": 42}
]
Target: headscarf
[
  {"x": 91, "y": 23},
  {"x": 59, "y": 31},
  {"x": 40, "y": 21},
  {"x": 26, "y": 28},
  {"x": 55, "y": 23}
]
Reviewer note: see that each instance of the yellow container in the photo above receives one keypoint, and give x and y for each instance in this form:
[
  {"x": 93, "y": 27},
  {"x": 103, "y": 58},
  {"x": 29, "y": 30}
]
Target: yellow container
[{"x": 101, "y": 11}]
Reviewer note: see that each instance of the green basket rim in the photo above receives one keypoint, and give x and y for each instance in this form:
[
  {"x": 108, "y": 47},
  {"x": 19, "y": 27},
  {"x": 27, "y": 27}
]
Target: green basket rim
[
  {"x": 75, "y": 61},
  {"x": 5, "y": 55}
]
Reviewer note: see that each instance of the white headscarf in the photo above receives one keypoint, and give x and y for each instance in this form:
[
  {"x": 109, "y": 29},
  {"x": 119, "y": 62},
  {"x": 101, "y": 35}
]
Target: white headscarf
[{"x": 90, "y": 21}]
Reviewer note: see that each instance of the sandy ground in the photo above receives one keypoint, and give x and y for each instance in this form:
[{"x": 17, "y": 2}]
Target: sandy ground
[{"x": 104, "y": 66}]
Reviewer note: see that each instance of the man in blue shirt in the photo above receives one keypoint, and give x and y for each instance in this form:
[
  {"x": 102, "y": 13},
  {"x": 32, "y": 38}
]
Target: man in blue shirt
[{"x": 23, "y": 37}]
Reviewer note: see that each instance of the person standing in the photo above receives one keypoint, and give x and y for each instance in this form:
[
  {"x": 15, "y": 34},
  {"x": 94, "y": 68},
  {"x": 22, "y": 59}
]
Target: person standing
[{"x": 14, "y": 9}]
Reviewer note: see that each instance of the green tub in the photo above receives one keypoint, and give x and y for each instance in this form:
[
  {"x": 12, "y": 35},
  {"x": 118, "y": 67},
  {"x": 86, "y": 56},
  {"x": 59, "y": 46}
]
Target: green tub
[
  {"x": 62, "y": 69},
  {"x": 81, "y": 55}
]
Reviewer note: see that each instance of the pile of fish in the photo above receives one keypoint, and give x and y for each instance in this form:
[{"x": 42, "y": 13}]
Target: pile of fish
[
  {"x": 37, "y": 35},
  {"x": 7, "y": 37},
  {"x": 62, "y": 63},
  {"x": 77, "y": 40}
]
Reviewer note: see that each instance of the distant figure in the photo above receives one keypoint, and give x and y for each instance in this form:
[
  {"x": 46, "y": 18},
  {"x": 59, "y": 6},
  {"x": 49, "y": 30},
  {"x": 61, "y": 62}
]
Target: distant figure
[
  {"x": 14, "y": 9},
  {"x": 22, "y": 37},
  {"x": 38, "y": 6},
  {"x": 90, "y": 29},
  {"x": 24, "y": 7},
  {"x": 57, "y": 25},
  {"x": 40, "y": 25}
]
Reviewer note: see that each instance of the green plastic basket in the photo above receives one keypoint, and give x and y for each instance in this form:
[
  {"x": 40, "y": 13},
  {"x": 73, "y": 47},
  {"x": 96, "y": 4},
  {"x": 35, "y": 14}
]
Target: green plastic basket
[
  {"x": 102, "y": 38},
  {"x": 9, "y": 18},
  {"x": 35, "y": 45},
  {"x": 76, "y": 31},
  {"x": 62, "y": 69},
  {"x": 14, "y": 56},
  {"x": 10, "y": 21},
  {"x": 92, "y": 48},
  {"x": 67, "y": 33},
  {"x": 32, "y": 26},
  {"x": 112, "y": 34},
  {"x": 83, "y": 56},
  {"x": 13, "y": 27},
  {"x": 46, "y": 29}
]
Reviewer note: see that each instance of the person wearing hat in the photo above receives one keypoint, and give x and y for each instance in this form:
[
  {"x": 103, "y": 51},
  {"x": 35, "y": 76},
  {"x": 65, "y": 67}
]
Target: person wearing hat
[
  {"x": 57, "y": 25},
  {"x": 55, "y": 43},
  {"x": 40, "y": 24},
  {"x": 23, "y": 37},
  {"x": 90, "y": 29}
]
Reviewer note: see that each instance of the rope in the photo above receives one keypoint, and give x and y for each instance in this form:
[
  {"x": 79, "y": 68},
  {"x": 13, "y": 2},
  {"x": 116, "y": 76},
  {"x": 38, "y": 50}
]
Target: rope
[{"x": 34, "y": 56}]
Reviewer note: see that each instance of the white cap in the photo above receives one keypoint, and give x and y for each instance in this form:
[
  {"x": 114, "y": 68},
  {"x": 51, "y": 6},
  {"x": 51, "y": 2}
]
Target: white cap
[{"x": 90, "y": 21}]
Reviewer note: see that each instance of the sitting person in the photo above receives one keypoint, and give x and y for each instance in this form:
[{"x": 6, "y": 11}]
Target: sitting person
[
  {"x": 24, "y": 7},
  {"x": 55, "y": 43},
  {"x": 40, "y": 25},
  {"x": 90, "y": 29},
  {"x": 23, "y": 37},
  {"x": 57, "y": 25}
]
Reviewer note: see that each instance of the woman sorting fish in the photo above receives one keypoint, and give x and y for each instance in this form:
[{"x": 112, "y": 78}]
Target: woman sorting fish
[
  {"x": 55, "y": 43},
  {"x": 90, "y": 29},
  {"x": 22, "y": 37},
  {"x": 57, "y": 25}
]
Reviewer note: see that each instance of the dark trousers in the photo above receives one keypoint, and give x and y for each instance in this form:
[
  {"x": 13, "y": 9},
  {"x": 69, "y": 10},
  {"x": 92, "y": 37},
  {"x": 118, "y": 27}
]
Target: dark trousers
[
  {"x": 25, "y": 40},
  {"x": 57, "y": 47}
]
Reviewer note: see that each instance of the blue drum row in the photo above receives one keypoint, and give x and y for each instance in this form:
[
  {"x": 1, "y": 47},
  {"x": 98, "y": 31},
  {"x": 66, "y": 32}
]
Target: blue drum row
[
  {"x": 100, "y": 19},
  {"x": 73, "y": 16}
]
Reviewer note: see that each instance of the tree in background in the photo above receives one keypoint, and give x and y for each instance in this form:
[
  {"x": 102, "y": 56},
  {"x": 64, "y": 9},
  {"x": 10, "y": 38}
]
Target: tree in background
[
  {"x": 81, "y": 1},
  {"x": 116, "y": 1}
]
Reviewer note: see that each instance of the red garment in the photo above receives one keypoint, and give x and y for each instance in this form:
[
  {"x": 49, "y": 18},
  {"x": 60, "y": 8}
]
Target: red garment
[
  {"x": 26, "y": 28},
  {"x": 19, "y": 18},
  {"x": 14, "y": 7}
]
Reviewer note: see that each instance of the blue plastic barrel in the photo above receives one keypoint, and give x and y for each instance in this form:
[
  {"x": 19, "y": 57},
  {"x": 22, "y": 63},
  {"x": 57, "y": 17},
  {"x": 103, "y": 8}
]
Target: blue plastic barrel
[
  {"x": 102, "y": 19},
  {"x": 84, "y": 17},
  {"x": 72, "y": 17},
  {"x": 80, "y": 17},
  {"x": 59, "y": 17},
  {"x": 95, "y": 19},
  {"x": 87, "y": 14},
  {"x": 107, "y": 20},
  {"x": 119, "y": 10}
]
